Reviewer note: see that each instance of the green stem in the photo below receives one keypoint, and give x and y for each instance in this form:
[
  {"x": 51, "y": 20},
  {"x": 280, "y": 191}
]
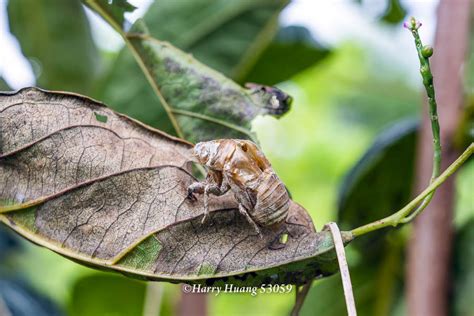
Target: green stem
[
  {"x": 424, "y": 53},
  {"x": 111, "y": 21},
  {"x": 398, "y": 217}
]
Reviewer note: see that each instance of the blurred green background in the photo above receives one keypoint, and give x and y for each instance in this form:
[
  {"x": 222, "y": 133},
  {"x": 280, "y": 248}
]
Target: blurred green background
[{"x": 345, "y": 150}]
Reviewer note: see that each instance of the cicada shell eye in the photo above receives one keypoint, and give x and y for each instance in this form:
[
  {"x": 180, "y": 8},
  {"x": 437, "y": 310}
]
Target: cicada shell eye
[
  {"x": 201, "y": 152},
  {"x": 206, "y": 152}
]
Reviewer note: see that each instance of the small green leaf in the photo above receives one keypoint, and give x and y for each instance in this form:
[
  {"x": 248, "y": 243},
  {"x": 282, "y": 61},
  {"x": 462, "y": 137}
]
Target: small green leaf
[{"x": 395, "y": 12}]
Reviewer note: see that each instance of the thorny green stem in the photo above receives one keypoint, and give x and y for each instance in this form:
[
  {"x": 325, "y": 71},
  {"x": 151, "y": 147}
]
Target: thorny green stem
[
  {"x": 397, "y": 218},
  {"x": 409, "y": 212},
  {"x": 424, "y": 53}
]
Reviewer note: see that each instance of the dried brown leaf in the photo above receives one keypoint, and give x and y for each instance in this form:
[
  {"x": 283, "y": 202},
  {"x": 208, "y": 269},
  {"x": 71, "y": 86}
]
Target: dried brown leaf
[{"x": 108, "y": 191}]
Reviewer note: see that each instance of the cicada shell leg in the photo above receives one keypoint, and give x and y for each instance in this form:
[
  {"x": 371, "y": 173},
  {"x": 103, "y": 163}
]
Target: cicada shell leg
[{"x": 244, "y": 212}]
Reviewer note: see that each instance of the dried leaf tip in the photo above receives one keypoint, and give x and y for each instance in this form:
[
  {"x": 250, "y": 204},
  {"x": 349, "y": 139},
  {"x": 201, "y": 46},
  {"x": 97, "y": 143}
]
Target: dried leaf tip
[{"x": 412, "y": 24}]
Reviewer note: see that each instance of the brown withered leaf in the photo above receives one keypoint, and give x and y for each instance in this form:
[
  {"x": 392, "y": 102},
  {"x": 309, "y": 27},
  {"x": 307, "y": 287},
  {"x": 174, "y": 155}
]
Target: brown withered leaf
[{"x": 108, "y": 191}]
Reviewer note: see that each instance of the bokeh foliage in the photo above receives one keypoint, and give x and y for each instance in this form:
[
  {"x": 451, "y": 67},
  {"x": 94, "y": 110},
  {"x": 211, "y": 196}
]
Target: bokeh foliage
[{"x": 341, "y": 104}]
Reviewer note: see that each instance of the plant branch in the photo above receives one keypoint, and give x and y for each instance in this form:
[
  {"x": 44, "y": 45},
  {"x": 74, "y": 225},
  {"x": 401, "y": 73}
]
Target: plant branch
[{"x": 399, "y": 216}]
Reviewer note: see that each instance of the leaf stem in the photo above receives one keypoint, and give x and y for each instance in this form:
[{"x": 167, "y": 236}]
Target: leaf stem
[
  {"x": 401, "y": 215},
  {"x": 112, "y": 22},
  {"x": 216, "y": 121}
]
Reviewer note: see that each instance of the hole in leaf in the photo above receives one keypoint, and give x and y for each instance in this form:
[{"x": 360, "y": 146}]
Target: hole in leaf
[
  {"x": 100, "y": 117},
  {"x": 198, "y": 171},
  {"x": 284, "y": 238}
]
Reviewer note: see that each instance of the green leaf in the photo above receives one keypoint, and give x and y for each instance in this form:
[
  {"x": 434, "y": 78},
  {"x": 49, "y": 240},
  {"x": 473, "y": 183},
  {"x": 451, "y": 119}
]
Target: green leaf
[
  {"x": 55, "y": 35},
  {"x": 379, "y": 183},
  {"x": 106, "y": 294},
  {"x": 114, "y": 195},
  {"x": 213, "y": 106},
  {"x": 377, "y": 286},
  {"x": 326, "y": 297},
  {"x": 226, "y": 35},
  {"x": 293, "y": 50},
  {"x": 376, "y": 101},
  {"x": 201, "y": 103},
  {"x": 395, "y": 12}
]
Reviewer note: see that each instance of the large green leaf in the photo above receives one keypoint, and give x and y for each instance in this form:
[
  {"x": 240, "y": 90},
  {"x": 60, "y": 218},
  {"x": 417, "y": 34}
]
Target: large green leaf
[
  {"x": 293, "y": 50},
  {"x": 110, "y": 192},
  {"x": 226, "y": 35},
  {"x": 376, "y": 186},
  {"x": 377, "y": 287},
  {"x": 208, "y": 108},
  {"x": 379, "y": 183},
  {"x": 55, "y": 36},
  {"x": 326, "y": 297},
  {"x": 204, "y": 103},
  {"x": 106, "y": 294}
]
